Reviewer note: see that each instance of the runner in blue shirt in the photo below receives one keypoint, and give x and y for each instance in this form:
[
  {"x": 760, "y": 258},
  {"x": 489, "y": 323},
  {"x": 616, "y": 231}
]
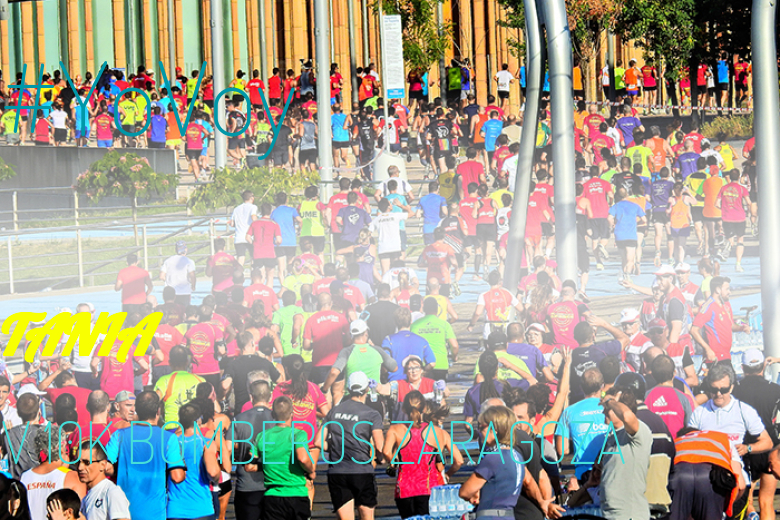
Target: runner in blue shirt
[
  {"x": 627, "y": 124},
  {"x": 432, "y": 207},
  {"x": 191, "y": 498},
  {"x": 404, "y": 344},
  {"x": 625, "y": 215},
  {"x": 491, "y": 130},
  {"x": 340, "y": 136},
  {"x": 351, "y": 219},
  {"x": 287, "y": 217},
  {"x": 146, "y": 456},
  {"x": 157, "y": 129}
]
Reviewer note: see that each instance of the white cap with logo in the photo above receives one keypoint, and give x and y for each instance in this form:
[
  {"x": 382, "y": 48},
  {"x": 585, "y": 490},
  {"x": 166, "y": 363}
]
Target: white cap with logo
[
  {"x": 358, "y": 327},
  {"x": 753, "y": 358},
  {"x": 357, "y": 382}
]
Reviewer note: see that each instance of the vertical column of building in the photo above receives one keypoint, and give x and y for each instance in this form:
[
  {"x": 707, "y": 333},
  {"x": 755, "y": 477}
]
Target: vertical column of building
[
  {"x": 492, "y": 49},
  {"x": 119, "y": 33},
  {"x": 480, "y": 54},
  {"x": 253, "y": 36},
  {"x": 178, "y": 23},
  {"x": 288, "y": 22},
  {"x": 373, "y": 37},
  {"x": 5, "y": 54},
  {"x": 271, "y": 36},
  {"x": 206, "y": 16},
  {"x": 28, "y": 35},
  {"x": 89, "y": 34},
  {"x": 236, "y": 55},
  {"x": 466, "y": 34},
  {"x": 162, "y": 38}
]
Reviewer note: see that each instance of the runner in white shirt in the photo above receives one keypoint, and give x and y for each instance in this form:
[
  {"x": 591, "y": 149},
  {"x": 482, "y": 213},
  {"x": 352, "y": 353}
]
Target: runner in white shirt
[
  {"x": 105, "y": 500},
  {"x": 242, "y": 217},
  {"x": 178, "y": 271},
  {"x": 387, "y": 226},
  {"x": 391, "y": 276}
]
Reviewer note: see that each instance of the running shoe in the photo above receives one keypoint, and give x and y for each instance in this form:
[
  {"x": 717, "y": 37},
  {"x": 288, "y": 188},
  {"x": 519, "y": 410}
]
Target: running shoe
[
  {"x": 603, "y": 251},
  {"x": 739, "y": 268}
]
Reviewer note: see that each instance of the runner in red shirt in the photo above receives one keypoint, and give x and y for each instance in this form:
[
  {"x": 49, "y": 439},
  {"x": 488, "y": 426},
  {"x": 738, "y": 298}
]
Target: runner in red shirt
[
  {"x": 202, "y": 341},
  {"x": 264, "y": 234},
  {"x": 470, "y": 171},
  {"x": 600, "y": 140},
  {"x": 220, "y": 267},
  {"x": 325, "y": 334},
  {"x": 167, "y": 337},
  {"x": 193, "y": 147},
  {"x": 254, "y": 86},
  {"x": 599, "y": 192},
  {"x": 336, "y": 202},
  {"x": 564, "y": 315},
  {"x": 104, "y": 127},
  {"x": 538, "y": 212},
  {"x": 716, "y": 321},
  {"x": 496, "y": 304},
  {"x": 116, "y": 375},
  {"x": 694, "y": 136},
  {"x": 275, "y": 87},
  {"x": 135, "y": 284},
  {"x": 439, "y": 258},
  {"x": 466, "y": 211},
  {"x": 259, "y": 291}
]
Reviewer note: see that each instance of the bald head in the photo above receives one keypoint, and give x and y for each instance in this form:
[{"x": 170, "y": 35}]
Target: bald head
[
  {"x": 324, "y": 300},
  {"x": 592, "y": 382},
  {"x": 650, "y": 354},
  {"x": 98, "y": 402},
  {"x": 514, "y": 331}
]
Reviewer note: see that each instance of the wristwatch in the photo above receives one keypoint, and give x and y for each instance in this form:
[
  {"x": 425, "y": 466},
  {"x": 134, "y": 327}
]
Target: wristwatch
[{"x": 750, "y": 448}]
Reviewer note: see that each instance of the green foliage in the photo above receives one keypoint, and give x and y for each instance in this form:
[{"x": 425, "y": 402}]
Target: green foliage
[
  {"x": 6, "y": 170},
  {"x": 120, "y": 174},
  {"x": 227, "y": 186},
  {"x": 425, "y": 40},
  {"x": 732, "y": 127},
  {"x": 663, "y": 29}
]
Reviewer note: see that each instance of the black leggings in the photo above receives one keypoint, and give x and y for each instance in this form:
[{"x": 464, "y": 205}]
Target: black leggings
[{"x": 412, "y": 506}]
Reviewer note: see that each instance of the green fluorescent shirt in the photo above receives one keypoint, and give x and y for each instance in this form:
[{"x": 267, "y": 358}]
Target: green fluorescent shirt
[
  {"x": 282, "y": 475},
  {"x": 436, "y": 332}
]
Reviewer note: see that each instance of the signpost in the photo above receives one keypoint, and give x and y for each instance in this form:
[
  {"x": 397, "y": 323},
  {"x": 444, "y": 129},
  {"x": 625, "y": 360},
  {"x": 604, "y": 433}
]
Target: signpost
[{"x": 393, "y": 78}]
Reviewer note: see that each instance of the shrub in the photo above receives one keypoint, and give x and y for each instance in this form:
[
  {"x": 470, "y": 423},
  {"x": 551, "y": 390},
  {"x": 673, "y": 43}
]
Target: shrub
[
  {"x": 227, "y": 186},
  {"x": 734, "y": 127},
  {"x": 120, "y": 174}
]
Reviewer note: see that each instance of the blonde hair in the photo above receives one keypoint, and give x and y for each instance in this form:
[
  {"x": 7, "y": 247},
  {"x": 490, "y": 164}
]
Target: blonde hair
[{"x": 501, "y": 418}]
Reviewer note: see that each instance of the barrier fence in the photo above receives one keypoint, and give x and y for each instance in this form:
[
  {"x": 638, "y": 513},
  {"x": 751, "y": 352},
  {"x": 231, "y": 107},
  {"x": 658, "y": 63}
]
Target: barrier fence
[{"x": 84, "y": 248}]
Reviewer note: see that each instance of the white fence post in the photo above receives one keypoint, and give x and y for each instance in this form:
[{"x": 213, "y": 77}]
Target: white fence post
[
  {"x": 80, "y": 254},
  {"x": 15, "y": 202},
  {"x": 10, "y": 266}
]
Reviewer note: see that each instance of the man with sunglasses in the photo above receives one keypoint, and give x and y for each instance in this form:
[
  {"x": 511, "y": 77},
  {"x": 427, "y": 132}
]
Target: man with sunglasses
[
  {"x": 629, "y": 322},
  {"x": 725, "y": 413},
  {"x": 683, "y": 362},
  {"x": 105, "y": 500}
]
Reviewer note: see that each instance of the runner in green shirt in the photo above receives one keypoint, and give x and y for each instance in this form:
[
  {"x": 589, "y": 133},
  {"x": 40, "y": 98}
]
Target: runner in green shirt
[
  {"x": 289, "y": 324},
  {"x": 178, "y": 387},
  {"x": 284, "y": 476},
  {"x": 439, "y": 335},
  {"x": 509, "y": 366}
]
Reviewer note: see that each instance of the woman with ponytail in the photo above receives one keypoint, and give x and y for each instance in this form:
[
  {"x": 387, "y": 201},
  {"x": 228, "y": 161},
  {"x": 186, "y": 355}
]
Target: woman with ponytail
[
  {"x": 490, "y": 388},
  {"x": 417, "y": 446},
  {"x": 259, "y": 326},
  {"x": 309, "y": 403}
]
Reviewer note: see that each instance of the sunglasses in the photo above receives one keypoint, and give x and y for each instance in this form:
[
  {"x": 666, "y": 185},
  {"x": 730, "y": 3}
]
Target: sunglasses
[
  {"x": 87, "y": 462},
  {"x": 720, "y": 391}
]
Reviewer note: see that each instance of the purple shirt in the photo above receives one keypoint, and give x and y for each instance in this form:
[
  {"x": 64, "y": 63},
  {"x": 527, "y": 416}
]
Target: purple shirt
[{"x": 531, "y": 355}]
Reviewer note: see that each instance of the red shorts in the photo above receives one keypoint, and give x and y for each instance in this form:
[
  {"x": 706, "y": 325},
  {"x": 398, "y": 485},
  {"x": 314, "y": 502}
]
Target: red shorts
[{"x": 534, "y": 240}]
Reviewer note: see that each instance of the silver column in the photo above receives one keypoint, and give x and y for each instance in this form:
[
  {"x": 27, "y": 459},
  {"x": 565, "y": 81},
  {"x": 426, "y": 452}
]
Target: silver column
[
  {"x": 534, "y": 70},
  {"x": 218, "y": 70},
  {"x": 559, "y": 52},
  {"x": 766, "y": 128},
  {"x": 325, "y": 141}
]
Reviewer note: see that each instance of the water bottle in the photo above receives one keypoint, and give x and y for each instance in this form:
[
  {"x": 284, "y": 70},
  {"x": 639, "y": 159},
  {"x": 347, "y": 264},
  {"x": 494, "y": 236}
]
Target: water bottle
[
  {"x": 434, "y": 503},
  {"x": 4, "y": 466},
  {"x": 372, "y": 389},
  {"x": 438, "y": 390},
  {"x": 452, "y": 498},
  {"x": 394, "y": 391}
]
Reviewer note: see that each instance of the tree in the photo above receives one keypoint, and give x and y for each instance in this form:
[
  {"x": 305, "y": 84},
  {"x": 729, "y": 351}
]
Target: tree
[
  {"x": 6, "y": 170},
  {"x": 425, "y": 40},
  {"x": 227, "y": 186},
  {"x": 588, "y": 19}
]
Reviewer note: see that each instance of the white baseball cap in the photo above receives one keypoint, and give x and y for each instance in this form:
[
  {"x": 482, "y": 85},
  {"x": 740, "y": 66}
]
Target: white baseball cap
[
  {"x": 665, "y": 270},
  {"x": 682, "y": 268},
  {"x": 357, "y": 382},
  {"x": 753, "y": 358},
  {"x": 629, "y": 315},
  {"x": 29, "y": 388},
  {"x": 358, "y": 327}
]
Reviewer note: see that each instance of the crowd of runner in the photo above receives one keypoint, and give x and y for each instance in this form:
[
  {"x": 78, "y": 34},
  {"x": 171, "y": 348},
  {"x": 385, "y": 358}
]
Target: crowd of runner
[
  {"x": 334, "y": 350},
  {"x": 338, "y": 330}
]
